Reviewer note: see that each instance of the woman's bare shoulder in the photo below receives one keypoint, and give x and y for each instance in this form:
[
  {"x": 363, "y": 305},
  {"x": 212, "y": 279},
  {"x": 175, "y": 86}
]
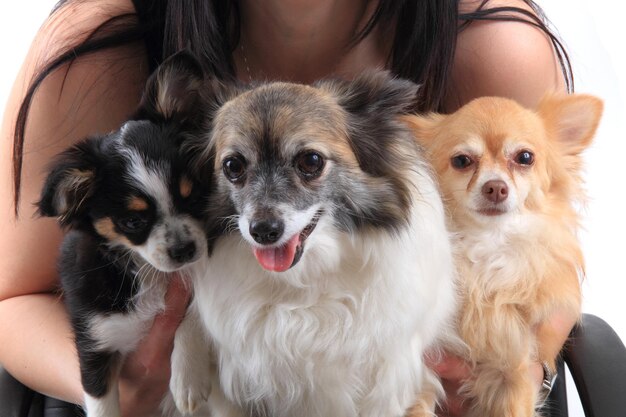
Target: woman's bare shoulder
[
  {"x": 502, "y": 58},
  {"x": 73, "y": 20},
  {"x": 95, "y": 93}
]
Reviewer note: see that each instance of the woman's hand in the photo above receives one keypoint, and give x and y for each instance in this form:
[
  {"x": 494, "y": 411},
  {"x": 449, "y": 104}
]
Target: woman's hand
[
  {"x": 453, "y": 371},
  {"x": 145, "y": 375}
]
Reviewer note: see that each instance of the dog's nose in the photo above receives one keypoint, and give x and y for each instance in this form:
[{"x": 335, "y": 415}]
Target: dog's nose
[
  {"x": 266, "y": 231},
  {"x": 182, "y": 252},
  {"x": 495, "y": 191}
]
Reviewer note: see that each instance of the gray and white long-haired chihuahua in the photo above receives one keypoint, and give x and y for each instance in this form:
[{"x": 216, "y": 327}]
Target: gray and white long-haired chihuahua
[{"x": 338, "y": 272}]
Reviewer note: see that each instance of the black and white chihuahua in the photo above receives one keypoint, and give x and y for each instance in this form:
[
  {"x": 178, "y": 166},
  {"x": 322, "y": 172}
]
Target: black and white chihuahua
[{"x": 135, "y": 212}]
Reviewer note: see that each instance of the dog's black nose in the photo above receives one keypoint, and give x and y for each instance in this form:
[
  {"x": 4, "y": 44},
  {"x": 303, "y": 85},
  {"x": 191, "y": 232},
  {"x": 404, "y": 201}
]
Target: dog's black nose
[
  {"x": 266, "y": 231},
  {"x": 182, "y": 252},
  {"x": 495, "y": 191}
]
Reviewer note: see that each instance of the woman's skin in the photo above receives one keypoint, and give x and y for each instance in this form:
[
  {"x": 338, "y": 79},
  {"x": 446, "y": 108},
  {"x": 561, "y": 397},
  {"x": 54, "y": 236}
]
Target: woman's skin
[{"x": 281, "y": 39}]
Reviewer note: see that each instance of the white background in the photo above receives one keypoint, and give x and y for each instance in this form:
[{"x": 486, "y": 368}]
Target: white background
[{"x": 594, "y": 34}]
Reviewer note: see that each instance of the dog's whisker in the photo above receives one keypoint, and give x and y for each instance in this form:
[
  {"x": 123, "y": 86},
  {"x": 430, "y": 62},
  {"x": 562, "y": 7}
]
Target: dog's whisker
[{"x": 128, "y": 254}]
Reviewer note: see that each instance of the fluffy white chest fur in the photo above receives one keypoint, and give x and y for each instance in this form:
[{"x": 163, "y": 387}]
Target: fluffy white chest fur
[
  {"x": 340, "y": 334},
  {"x": 510, "y": 259},
  {"x": 496, "y": 258}
]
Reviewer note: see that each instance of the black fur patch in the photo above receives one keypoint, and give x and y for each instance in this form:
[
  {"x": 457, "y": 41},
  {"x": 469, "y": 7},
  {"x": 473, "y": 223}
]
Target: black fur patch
[{"x": 100, "y": 291}]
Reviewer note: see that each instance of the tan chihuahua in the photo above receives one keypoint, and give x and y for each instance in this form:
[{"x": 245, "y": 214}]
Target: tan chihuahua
[{"x": 510, "y": 178}]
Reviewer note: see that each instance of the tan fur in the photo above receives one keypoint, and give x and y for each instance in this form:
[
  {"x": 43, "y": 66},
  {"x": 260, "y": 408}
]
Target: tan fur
[
  {"x": 425, "y": 404},
  {"x": 106, "y": 229},
  {"x": 510, "y": 293},
  {"x": 73, "y": 184},
  {"x": 186, "y": 187},
  {"x": 319, "y": 122},
  {"x": 137, "y": 204},
  {"x": 168, "y": 100}
]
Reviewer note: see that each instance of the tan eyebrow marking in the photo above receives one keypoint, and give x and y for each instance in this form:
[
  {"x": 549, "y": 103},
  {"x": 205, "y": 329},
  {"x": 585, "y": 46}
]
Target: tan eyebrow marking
[
  {"x": 106, "y": 229},
  {"x": 137, "y": 204},
  {"x": 185, "y": 187}
]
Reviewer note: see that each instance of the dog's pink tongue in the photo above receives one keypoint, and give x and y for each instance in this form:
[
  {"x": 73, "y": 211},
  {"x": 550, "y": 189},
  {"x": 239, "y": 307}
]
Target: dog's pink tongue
[{"x": 278, "y": 259}]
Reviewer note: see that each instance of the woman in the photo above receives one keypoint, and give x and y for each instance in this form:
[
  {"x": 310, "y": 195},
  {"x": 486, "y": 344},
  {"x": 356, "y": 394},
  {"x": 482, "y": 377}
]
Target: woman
[{"x": 85, "y": 72}]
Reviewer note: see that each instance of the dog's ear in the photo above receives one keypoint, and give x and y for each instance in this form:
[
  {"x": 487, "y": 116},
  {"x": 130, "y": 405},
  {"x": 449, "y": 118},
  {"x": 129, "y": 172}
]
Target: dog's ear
[
  {"x": 424, "y": 127},
  {"x": 374, "y": 95},
  {"x": 70, "y": 183},
  {"x": 173, "y": 91},
  {"x": 571, "y": 119},
  {"x": 374, "y": 103},
  {"x": 383, "y": 145}
]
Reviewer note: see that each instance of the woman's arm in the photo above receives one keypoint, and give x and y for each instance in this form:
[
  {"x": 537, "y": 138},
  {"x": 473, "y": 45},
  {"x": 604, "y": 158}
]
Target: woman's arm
[{"x": 95, "y": 94}]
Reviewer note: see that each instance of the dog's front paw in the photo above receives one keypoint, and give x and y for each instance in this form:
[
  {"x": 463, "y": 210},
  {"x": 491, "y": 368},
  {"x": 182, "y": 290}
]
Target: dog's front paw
[{"x": 190, "y": 391}]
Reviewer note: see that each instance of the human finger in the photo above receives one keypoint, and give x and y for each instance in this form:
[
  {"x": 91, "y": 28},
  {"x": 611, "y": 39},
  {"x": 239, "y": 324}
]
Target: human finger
[
  {"x": 155, "y": 349},
  {"x": 449, "y": 366}
]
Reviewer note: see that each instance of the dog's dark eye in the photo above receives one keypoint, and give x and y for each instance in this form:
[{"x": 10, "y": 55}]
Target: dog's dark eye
[
  {"x": 525, "y": 158},
  {"x": 461, "y": 161},
  {"x": 132, "y": 224},
  {"x": 234, "y": 168},
  {"x": 309, "y": 164}
]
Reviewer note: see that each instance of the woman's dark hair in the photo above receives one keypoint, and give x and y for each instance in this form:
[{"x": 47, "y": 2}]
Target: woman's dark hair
[{"x": 422, "y": 50}]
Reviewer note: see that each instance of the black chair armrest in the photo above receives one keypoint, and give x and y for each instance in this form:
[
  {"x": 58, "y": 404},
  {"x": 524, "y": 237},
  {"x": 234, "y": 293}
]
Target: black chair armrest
[
  {"x": 596, "y": 358},
  {"x": 17, "y": 400}
]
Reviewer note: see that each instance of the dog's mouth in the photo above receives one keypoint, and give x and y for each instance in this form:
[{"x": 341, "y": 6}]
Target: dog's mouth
[
  {"x": 493, "y": 210},
  {"x": 281, "y": 258}
]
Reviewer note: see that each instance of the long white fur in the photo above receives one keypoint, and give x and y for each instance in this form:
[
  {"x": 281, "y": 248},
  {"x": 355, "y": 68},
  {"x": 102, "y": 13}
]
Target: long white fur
[
  {"x": 105, "y": 406},
  {"x": 340, "y": 334}
]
